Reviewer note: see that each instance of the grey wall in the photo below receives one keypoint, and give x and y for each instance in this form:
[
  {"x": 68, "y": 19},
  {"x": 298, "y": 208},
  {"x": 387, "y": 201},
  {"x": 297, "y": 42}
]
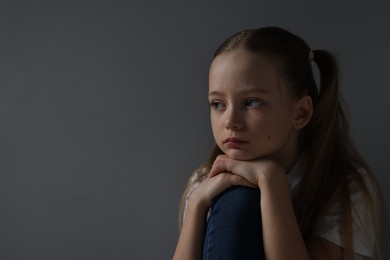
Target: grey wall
[{"x": 103, "y": 112}]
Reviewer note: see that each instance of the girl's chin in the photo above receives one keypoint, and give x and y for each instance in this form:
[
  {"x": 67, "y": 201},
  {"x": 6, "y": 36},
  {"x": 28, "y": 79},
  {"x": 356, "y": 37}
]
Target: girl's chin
[{"x": 241, "y": 156}]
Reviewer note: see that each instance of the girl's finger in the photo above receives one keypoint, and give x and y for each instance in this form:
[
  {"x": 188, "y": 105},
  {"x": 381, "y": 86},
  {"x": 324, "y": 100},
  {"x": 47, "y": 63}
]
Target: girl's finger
[
  {"x": 221, "y": 164},
  {"x": 227, "y": 180},
  {"x": 244, "y": 182}
]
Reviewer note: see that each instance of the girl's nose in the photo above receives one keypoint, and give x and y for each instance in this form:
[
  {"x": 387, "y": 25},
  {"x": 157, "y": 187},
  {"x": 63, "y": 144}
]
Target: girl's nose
[{"x": 233, "y": 120}]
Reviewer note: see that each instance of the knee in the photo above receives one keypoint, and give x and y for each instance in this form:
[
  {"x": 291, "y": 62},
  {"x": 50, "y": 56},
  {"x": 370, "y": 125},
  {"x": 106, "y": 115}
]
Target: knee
[{"x": 238, "y": 202}]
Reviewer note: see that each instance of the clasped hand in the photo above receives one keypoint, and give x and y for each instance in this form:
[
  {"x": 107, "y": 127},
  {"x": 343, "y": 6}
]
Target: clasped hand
[{"x": 227, "y": 172}]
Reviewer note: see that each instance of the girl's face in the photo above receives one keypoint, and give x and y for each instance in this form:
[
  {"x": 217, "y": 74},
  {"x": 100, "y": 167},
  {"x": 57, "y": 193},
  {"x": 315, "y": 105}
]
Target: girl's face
[{"x": 252, "y": 114}]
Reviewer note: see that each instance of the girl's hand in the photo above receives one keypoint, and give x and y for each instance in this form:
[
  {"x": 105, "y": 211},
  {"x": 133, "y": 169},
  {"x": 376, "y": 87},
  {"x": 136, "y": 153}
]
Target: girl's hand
[
  {"x": 209, "y": 188},
  {"x": 258, "y": 172}
]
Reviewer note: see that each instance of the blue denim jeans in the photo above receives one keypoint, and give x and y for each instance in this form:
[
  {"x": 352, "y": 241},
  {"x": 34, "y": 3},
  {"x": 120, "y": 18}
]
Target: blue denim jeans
[{"x": 234, "y": 226}]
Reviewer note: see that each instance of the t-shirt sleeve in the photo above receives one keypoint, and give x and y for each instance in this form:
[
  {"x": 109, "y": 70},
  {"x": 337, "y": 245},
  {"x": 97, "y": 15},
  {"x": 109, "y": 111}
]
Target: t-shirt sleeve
[{"x": 329, "y": 225}]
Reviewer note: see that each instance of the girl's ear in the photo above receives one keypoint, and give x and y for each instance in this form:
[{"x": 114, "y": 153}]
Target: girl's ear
[{"x": 303, "y": 112}]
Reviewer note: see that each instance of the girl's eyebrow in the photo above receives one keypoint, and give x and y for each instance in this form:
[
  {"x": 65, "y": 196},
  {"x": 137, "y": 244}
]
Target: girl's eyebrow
[
  {"x": 248, "y": 91},
  {"x": 255, "y": 90},
  {"x": 215, "y": 93}
]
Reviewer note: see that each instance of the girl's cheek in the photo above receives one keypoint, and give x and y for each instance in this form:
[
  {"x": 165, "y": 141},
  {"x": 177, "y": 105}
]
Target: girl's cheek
[{"x": 268, "y": 131}]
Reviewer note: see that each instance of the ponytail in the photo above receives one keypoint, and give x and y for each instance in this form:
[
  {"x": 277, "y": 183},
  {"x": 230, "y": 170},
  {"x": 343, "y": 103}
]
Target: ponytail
[
  {"x": 320, "y": 143},
  {"x": 333, "y": 163}
]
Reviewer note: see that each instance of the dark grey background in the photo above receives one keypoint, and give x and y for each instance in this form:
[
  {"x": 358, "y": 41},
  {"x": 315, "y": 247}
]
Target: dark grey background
[{"x": 104, "y": 114}]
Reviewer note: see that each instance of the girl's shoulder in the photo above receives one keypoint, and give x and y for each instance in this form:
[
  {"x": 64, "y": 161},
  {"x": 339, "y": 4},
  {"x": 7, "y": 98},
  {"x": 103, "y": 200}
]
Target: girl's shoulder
[
  {"x": 195, "y": 179},
  {"x": 199, "y": 174}
]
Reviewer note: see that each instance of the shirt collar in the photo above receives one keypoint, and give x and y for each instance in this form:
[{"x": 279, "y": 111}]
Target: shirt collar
[{"x": 295, "y": 175}]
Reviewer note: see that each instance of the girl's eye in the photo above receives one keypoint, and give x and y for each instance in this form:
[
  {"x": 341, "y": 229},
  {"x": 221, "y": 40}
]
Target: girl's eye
[
  {"x": 252, "y": 102},
  {"x": 218, "y": 105}
]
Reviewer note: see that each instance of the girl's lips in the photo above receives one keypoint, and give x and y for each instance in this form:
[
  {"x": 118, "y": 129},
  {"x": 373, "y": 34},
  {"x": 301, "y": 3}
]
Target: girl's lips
[{"x": 232, "y": 140}]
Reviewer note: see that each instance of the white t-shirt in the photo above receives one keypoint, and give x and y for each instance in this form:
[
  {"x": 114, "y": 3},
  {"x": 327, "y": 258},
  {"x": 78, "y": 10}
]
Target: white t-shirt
[{"x": 329, "y": 225}]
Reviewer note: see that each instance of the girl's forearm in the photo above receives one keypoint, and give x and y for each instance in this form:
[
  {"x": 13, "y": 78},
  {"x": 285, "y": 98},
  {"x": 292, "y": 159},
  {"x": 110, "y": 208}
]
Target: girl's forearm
[
  {"x": 281, "y": 233},
  {"x": 190, "y": 244}
]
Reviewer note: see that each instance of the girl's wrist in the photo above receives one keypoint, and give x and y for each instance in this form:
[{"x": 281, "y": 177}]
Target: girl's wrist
[
  {"x": 274, "y": 176},
  {"x": 198, "y": 204},
  {"x": 197, "y": 207}
]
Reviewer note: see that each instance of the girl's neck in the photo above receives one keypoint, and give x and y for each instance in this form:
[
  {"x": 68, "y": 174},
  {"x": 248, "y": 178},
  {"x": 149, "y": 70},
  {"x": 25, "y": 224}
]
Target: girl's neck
[{"x": 289, "y": 157}]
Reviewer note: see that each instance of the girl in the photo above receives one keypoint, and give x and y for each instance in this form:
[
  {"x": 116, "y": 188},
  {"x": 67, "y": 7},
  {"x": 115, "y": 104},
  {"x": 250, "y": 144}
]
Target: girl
[{"x": 284, "y": 180}]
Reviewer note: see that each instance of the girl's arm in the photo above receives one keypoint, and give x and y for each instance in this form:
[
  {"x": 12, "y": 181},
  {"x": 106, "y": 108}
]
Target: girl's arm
[
  {"x": 281, "y": 233},
  {"x": 190, "y": 244}
]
